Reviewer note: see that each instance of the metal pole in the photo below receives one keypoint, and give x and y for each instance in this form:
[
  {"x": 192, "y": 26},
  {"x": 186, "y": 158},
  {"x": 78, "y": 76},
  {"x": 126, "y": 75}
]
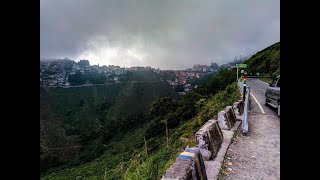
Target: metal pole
[
  {"x": 245, "y": 122},
  {"x": 244, "y": 92}
]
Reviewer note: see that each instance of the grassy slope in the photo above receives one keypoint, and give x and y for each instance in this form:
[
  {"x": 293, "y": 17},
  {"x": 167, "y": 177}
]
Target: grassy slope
[
  {"x": 127, "y": 146},
  {"x": 182, "y": 136},
  {"x": 143, "y": 76},
  {"x": 124, "y": 100},
  {"x": 265, "y": 61},
  {"x": 68, "y": 98},
  {"x": 136, "y": 97}
]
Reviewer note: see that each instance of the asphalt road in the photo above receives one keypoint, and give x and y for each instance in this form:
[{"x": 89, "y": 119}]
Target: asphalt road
[{"x": 256, "y": 156}]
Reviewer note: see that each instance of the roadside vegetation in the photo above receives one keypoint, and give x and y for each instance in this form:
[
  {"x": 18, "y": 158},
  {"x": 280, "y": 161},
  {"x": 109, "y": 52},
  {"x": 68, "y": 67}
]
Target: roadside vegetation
[
  {"x": 153, "y": 140},
  {"x": 265, "y": 62},
  {"x": 78, "y": 125}
]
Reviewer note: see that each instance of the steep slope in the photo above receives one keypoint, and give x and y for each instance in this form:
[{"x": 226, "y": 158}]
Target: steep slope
[
  {"x": 266, "y": 61},
  {"x": 83, "y": 120},
  {"x": 142, "y": 152}
]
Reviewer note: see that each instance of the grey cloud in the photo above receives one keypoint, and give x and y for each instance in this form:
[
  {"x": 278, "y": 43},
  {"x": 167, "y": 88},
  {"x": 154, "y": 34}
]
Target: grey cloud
[{"x": 170, "y": 34}]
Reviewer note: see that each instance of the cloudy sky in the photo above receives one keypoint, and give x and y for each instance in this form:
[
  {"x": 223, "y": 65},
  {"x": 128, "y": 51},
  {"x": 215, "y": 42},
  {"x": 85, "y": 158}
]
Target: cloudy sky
[{"x": 169, "y": 34}]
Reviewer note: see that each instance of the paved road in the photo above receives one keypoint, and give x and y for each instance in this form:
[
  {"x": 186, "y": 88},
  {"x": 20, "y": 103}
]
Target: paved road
[{"x": 256, "y": 156}]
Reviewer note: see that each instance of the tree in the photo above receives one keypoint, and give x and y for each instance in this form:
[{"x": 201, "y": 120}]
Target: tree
[
  {"x": 163, "y": 106},
  {"x": 77, "y": 79},
  {"x": 214, "y": 65},
  {"x": 67, "y": 65},
  {"x": 179, "y": 88},
  {"x": 83, "y": 63}
]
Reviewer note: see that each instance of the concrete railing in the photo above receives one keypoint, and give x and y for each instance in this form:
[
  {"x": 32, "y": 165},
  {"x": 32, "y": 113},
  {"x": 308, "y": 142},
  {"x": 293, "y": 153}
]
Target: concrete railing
[
  {"x": 227, "y": 118},
  {"x": 209, "y": 139},
  {"x": 238, "y": 108},
  {"x": 189, "y": 165}
]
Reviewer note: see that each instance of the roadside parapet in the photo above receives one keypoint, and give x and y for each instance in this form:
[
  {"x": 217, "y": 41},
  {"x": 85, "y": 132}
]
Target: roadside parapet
[
  {"x": 238, "y": 108},
  {"x": 189, "y": 165},
  {"x": 227, "y": 118},
  {"x": 241, "y": 106},
  {"x": 209, "y": 139}
]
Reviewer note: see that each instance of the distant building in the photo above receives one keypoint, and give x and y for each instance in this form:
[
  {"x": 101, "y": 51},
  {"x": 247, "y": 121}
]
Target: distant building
[
  {"x": 199, "y": 67},
  {"x": 113, "y": 67}
]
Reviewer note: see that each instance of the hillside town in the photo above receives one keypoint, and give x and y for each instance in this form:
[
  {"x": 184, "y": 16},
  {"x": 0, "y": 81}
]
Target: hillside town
[{"x": 68, "y": 73}]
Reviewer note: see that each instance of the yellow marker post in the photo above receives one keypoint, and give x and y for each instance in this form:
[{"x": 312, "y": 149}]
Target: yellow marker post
[{"x": 240, "y": 66}]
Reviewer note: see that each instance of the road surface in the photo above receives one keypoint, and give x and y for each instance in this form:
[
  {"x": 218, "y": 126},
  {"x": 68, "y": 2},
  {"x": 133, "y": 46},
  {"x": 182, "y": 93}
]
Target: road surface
[{"x": 256, "y": 156}]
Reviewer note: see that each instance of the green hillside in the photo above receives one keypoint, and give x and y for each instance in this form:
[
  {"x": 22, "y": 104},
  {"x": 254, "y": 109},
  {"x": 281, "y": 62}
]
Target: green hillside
[
  {"x": 78, "y": 123},
  {"x": 143, "y": 76},
  {"x": 142, "y": 152},
  {"x": 266, "y": 61}
]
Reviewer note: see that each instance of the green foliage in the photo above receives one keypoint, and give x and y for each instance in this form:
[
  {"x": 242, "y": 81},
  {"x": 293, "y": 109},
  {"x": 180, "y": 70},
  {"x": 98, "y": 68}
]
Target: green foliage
[
  {"x": 143, "y": 76},
  {"x": 217, "y": 82},
  {"x": 83, "y": 63},
  {"x": 77, "y": 79},
  {"x": 163, "y": 106},
  {"x": 154, "y": 169},
  {"x": 266, "y": 61},
  {"x": 179, "y": 88},
  {"x": 123, "y": 155},
  {"x": 168, "y": 75},
  {"x": 94, "y": 115},
  {"x": 187, "y": 134},
  {"x": 214, "y": 65},
  {"x": 96, "y": 78},
  {"x": 203, "y": 80},
  {"x": 68, "y": 64}
]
